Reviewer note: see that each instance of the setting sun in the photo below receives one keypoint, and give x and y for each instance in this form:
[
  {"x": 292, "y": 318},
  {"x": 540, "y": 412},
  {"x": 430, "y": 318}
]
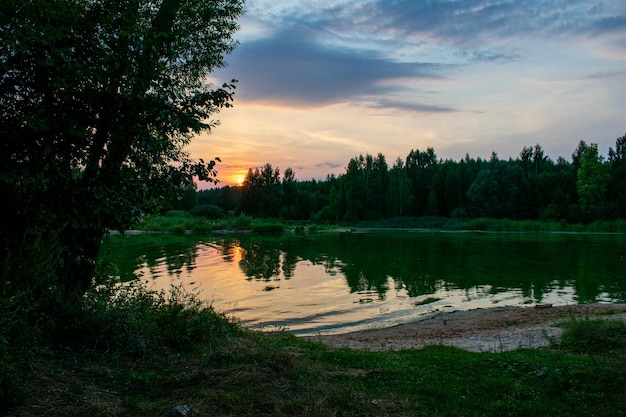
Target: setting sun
[{"x": 240, "y": 180}]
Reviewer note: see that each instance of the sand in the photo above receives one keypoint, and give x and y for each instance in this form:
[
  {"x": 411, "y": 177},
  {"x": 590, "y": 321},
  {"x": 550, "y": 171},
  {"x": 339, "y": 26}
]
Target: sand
[{"x": 481, "y": 330}]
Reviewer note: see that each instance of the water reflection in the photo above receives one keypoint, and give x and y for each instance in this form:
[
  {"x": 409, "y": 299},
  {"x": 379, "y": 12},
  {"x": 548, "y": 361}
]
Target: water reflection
[{"x": 379, "y": 274}]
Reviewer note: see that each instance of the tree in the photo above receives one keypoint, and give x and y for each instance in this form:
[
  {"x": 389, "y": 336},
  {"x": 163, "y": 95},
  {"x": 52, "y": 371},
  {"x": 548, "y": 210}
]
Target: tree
[
  {"x": 289, "y": 195},
  {"x": 261, "y": 192},
  {"x": 495, "y": 190},
  {"x": 377, "y": 184},
  {"x": 616, "y": 192},
  {"x": 98, "y": 99},
  {"x": 399, "y": 193},
  {"x": 421, "y": 167},
  {"x": 593, "y": 178},
  {"x": 355, "y": 186}
]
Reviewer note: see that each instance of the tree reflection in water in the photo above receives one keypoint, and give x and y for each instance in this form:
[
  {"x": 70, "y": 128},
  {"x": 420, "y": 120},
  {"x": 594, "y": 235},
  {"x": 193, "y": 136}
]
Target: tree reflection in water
[{"x": 419, "y": 263}]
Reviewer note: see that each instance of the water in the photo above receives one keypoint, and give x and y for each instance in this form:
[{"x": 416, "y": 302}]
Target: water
[{"x": 337, "y": 282}]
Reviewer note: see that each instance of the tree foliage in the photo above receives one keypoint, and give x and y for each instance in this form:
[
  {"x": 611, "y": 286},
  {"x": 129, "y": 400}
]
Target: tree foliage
[
  {"x": 593, "y": 178},
  {"x": 98, "y": 99},
  {"x": 531, "y": 186}
]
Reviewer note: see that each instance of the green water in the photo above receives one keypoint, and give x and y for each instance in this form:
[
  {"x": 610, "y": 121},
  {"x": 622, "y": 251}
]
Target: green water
[{"x": 338, "y": 282}]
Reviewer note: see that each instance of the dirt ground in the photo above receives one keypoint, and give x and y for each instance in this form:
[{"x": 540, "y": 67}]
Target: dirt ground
[{"x": 481, "y": 330}]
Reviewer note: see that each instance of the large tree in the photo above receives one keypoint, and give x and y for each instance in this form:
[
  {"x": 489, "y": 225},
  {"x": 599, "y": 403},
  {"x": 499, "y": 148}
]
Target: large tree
[
  {"x": 98, "y": 99},
  {"x": 592, "y": 182}
]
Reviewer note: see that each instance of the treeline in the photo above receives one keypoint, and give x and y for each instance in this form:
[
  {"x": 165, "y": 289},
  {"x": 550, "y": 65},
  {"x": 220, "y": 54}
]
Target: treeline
[{"x": 586, "y": 188}]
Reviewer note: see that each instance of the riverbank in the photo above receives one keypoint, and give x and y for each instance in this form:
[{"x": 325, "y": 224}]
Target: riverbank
[
  {"x": 481, "y": 330},
  {"x": 237, "y": 372},
  {"x": 183, "y": 222}
]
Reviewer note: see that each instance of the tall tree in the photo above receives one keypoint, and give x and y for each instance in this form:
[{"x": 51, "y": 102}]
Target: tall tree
[
  {"x": 495, "y": 190},
  {"x": 289, "y": 195},
  {"x": 98, "y": 99},
  {"x": 421, "y": 167},
  {"x": 399, "y": 195},
  {"x": 616, "y": 191},
  {"x": 377, "y": 183},
  {"x": 593, "y": 178},
  {"x": 355, "y": 186}
]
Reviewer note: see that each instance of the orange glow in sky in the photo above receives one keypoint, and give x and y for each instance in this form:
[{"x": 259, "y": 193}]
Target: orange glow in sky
[{"x": 320, "y": 86}]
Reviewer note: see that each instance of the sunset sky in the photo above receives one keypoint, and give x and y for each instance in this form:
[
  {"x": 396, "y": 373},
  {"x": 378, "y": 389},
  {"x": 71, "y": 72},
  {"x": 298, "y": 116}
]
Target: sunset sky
[{"x": 323, "y": 81}]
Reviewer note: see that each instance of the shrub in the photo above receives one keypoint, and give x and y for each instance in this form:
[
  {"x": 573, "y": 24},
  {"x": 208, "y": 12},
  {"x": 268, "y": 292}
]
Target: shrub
[
  {"x": 586, "y": 335},
  {"x": 128, "y": 319},
  {"x": 268, "y": 228},
  {"x": 29, "y": 300},
  {"x": 242, "y": 222},
  {"x": 480, "y": 223},
  {"x": 207, "y": 210},
  {"x": 177, "y": 213}
]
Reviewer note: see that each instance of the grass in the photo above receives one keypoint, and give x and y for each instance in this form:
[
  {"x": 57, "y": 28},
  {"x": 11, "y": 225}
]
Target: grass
[
  {"x": 180, "y": 222},
  {"x": 183, "y": 222},
  {"x": 496, "y": 225},
  {"x": 135, "y": 352},
  {"x": 124, "y": 350},
  {"x": 592, "y": 335}
]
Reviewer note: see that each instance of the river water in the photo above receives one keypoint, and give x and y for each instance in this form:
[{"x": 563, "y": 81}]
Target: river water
[{"x": 325, "y": 283}]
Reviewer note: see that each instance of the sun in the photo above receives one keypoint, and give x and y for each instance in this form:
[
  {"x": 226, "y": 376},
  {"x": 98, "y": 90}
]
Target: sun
[{"x": 240, "y": 180}]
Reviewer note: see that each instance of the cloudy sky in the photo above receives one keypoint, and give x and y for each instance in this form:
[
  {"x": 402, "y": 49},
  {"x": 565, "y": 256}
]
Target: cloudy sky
[{"x": 322, "y": 81}]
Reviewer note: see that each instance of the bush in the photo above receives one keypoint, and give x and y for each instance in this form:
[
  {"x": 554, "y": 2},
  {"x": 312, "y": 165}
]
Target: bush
[
  {"x": 17, "y": 343},
  {"x": 177, "y": 213},
  {"x": 242, "y": 222},
  {"x": 480, "y": 223},
  {"x": 268, "y": 228},
  {"x": 29, "y": 300},
  {"x": 586, "y": 335},
  {"x": 128, "y": 319},
  {"x": 207, "y": 210},
  {"x": 112, "y": 318}
]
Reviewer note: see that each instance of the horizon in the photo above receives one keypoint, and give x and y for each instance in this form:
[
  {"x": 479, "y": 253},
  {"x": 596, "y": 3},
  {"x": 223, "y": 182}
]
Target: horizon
[{"x": 320, "y": 83}]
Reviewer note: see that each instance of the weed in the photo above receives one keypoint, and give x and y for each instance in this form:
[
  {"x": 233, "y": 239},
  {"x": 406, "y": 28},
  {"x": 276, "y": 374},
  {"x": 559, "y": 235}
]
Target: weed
[
  {"x": 242, "y": 222},
  {"x": 589, "y": 335},
  {"x": 268, "y": 228}
]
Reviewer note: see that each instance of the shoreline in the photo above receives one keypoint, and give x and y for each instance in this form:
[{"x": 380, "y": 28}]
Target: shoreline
[{"x": 496, "y": 329}]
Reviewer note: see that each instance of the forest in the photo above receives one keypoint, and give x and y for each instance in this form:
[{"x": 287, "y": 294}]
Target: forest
[{"x": 587, "y": 188}]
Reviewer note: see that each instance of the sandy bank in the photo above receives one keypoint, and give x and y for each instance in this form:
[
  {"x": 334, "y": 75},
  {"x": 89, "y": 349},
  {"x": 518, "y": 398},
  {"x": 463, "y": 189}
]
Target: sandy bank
[{"x": 494, "y": 330}]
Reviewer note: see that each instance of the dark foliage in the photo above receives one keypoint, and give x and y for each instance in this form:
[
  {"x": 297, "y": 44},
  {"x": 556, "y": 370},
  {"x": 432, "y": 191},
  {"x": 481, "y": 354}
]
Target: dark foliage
[{"x": 529, "y": 187}]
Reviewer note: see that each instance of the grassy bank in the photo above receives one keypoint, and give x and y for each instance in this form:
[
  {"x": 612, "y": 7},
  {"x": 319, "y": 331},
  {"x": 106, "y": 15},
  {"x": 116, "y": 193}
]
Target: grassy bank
[
  {"x": 133, "y": 352},
  {"x": 497, "y": 225},
  {"x": 181, "y": 222},
  {"x": 124, "y": 350}
]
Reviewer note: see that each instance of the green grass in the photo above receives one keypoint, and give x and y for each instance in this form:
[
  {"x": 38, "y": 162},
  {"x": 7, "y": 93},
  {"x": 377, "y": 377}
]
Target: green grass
[
  {"x": 182, "y": 222},
  {"x": 594, "y": 335},
  {"x": 135, "y": 352},
  {"x": 495, "y": 225}
]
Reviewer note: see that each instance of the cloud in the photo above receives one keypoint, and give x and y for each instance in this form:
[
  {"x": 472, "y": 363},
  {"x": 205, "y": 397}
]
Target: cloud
[
  {"x": 331, "y": 165},
  {"x": 415, "y": 107},
  {"x": 291, "y": 69},
  {"x": 488, "y": 55},
  {"x": 472, "y": 22},
  {"x": 373, "y": 53},
  {"x": 596, "y": 76},
  {"x": 604, "y": 75},
  {"x": 608, "y": 25}
]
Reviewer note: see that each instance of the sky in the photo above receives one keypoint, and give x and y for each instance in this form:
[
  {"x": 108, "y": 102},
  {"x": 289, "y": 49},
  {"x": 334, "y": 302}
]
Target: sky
[{"x": 323, "y": 81}]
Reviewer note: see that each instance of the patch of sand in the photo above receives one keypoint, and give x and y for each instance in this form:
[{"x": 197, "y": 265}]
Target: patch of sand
[{"x": 481, "y": 330}]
